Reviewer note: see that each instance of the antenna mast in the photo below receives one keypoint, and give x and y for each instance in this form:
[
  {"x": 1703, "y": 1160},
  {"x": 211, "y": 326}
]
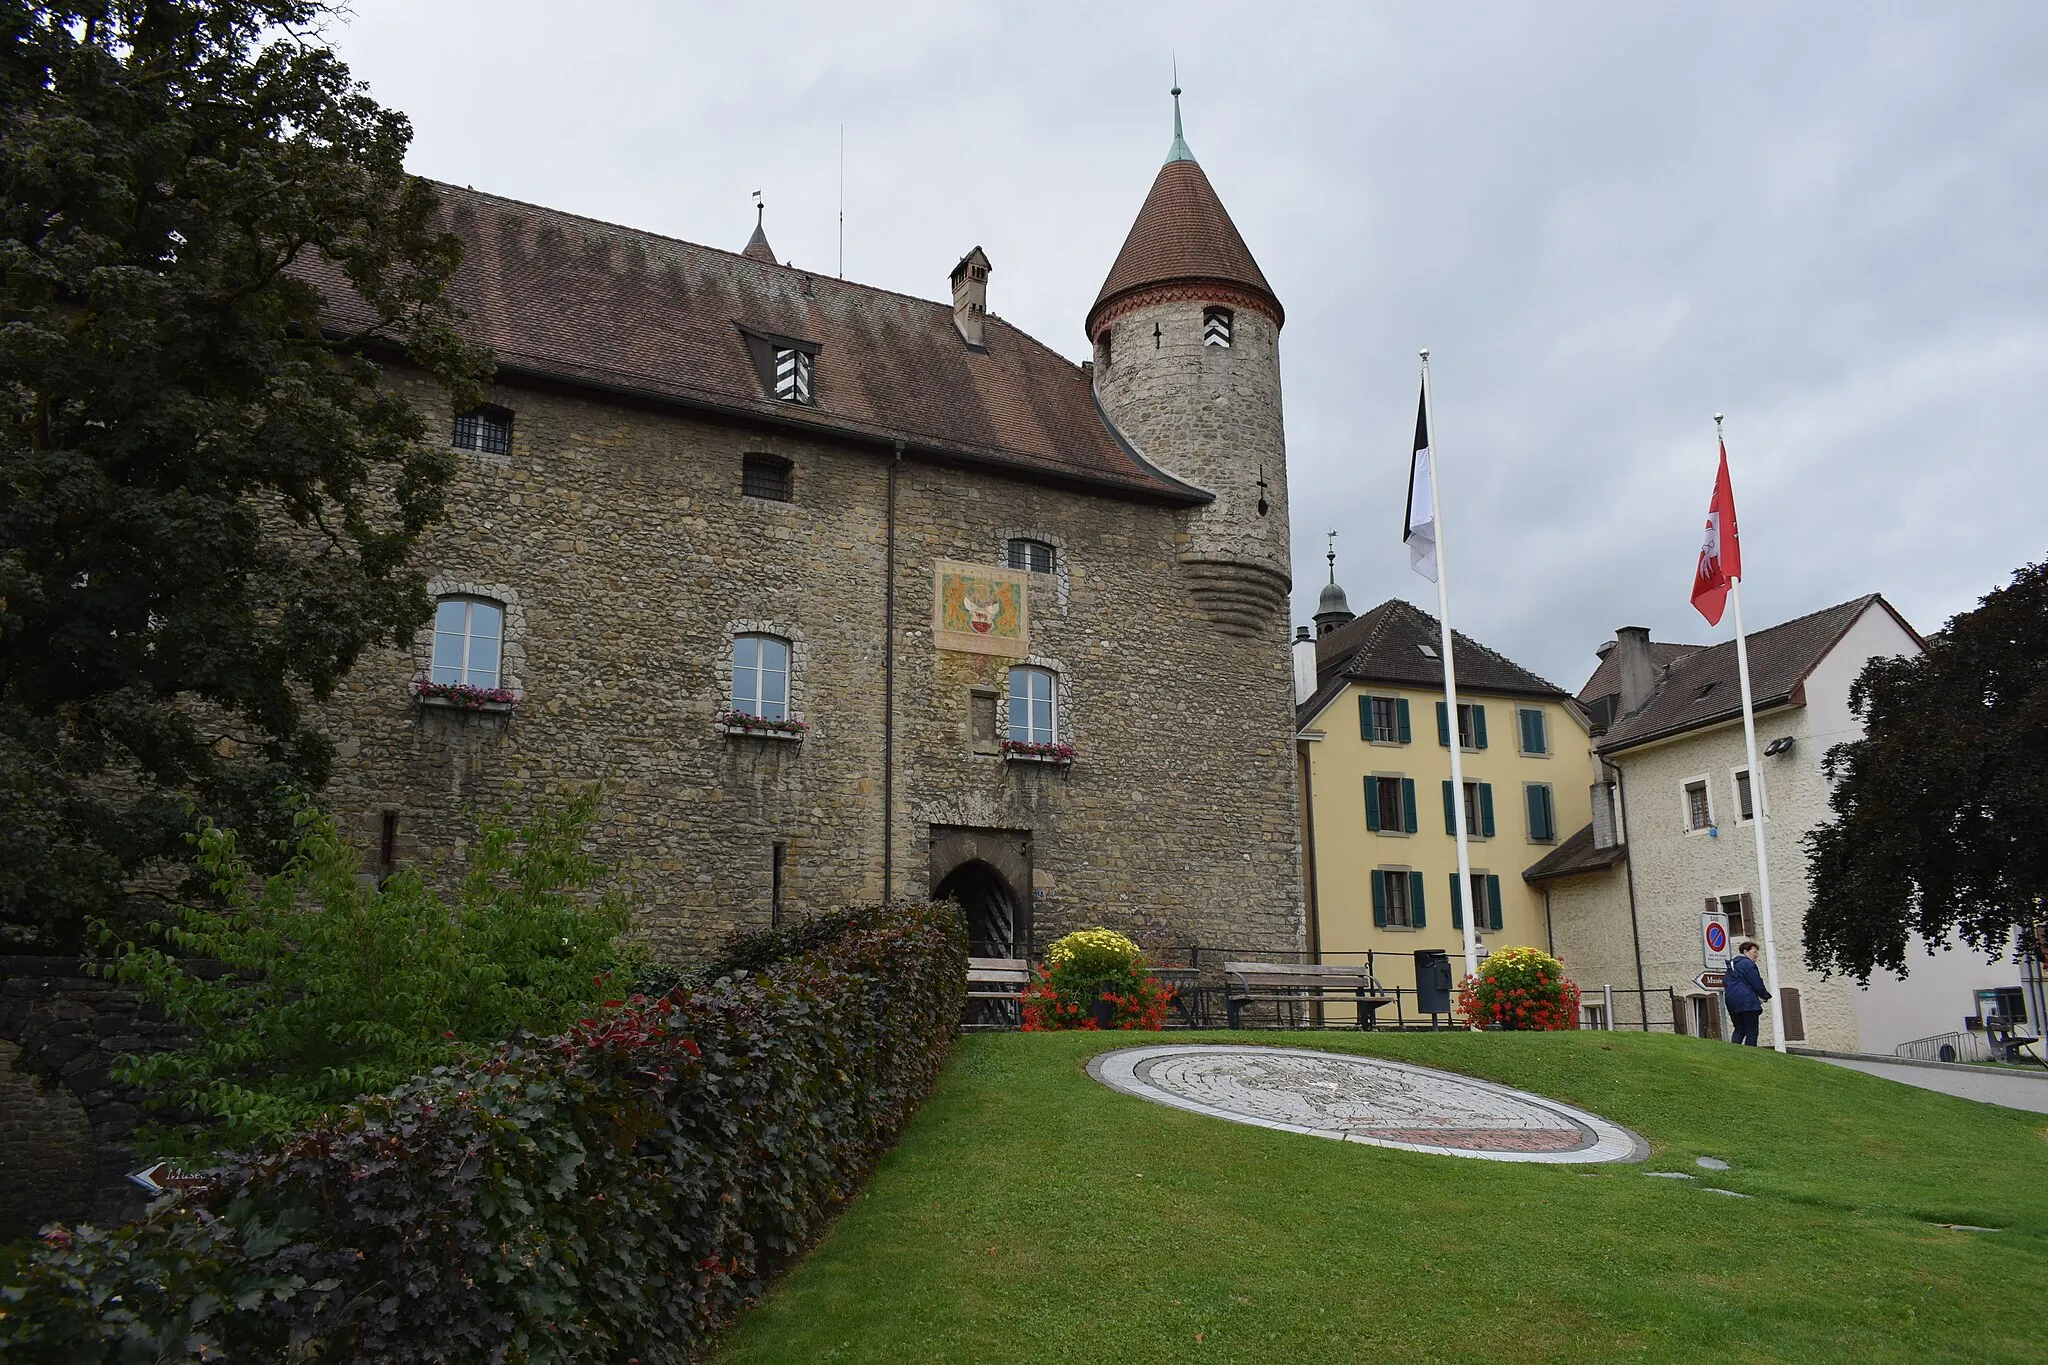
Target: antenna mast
[{"x": 842, "y": 201}]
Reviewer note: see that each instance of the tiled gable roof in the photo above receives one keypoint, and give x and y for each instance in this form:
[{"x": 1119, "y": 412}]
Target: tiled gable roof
[
  {"x": 569, "y": 298},
  {"x": 1574, "y": 857},
  {"x": 1702, "y": 687},
  {"x": 1182, "y": 233},
  {"x": 1386, "y": 646}
]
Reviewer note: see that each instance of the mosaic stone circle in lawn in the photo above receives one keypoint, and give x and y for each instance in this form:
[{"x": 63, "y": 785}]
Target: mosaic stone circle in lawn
[{"x": 1365, "y": 1099}]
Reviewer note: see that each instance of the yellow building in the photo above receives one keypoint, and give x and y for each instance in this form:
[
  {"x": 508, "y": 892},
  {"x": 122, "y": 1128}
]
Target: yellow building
[{"x": 1379, "y": 851}]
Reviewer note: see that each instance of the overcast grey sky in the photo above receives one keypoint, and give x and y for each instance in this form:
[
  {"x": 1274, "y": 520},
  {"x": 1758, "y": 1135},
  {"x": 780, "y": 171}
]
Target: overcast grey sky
[{"x": 1607, "y": 221}]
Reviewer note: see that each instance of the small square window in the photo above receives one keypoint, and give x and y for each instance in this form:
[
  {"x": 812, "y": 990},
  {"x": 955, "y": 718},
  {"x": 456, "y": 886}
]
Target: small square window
[
  {"x": 1216, "y": 327},
  {"x": 793, "y": 375},
  {"x": 486, "y": 430},
  {"x": 1032, "y": 556},
  {"x": 766, "y": 476}
]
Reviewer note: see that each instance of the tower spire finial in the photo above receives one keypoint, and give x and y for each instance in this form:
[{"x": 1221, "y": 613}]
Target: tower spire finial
[
  {"x": 1331, "y": 538},
  {"x": 1179, "y": 150}
]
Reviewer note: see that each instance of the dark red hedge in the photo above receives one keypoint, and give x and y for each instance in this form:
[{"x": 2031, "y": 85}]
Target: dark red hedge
[{"x": 612, "y": 1195}]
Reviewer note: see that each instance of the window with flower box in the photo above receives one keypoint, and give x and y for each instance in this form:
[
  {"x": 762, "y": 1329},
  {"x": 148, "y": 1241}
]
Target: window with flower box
[
  {"x": 469, "y": 635},
  {"x": 1033, "y": 699},
  {"x": 760, "y": 677}
]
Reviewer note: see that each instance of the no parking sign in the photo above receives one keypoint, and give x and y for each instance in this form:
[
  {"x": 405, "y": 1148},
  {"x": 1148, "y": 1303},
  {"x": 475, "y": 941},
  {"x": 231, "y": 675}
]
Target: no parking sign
[{"x": 1714, "y": 941}]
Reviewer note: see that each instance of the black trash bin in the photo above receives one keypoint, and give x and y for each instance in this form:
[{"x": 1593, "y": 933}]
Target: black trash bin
[{"x": 1432, "y": 981}]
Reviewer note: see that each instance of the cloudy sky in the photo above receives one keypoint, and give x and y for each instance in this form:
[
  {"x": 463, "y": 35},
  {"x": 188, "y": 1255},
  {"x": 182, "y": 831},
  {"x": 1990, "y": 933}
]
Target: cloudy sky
[{"x": 1607, "y": 221}]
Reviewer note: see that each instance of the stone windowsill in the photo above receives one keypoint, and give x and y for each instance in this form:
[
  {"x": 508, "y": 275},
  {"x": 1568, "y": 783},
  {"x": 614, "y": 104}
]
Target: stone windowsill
[{"x": 755, "y": 732}]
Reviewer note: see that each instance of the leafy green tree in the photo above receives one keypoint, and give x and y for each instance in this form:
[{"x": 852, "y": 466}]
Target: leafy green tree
[
  {"x": 207, "y": 498},
  {"x": 1941, "y": 809},
  {"x": 319, "y": 985}
]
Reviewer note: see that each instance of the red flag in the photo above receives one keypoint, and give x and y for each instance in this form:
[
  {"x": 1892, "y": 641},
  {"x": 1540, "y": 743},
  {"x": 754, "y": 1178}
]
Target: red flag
[{"x": 1720, "y": 552}]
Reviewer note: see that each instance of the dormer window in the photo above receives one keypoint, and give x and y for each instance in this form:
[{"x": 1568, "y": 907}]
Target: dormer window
[
  {"x": 793, "y": 374},
  {"x": 1216, "y": 325},
  {"x": 487, "y": 430},
  {"x": 1032, "y": 556}
]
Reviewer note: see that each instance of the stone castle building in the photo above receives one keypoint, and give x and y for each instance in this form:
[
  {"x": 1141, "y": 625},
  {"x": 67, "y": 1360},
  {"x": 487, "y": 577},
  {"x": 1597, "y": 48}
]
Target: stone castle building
[{"x": 844, "y": 594}]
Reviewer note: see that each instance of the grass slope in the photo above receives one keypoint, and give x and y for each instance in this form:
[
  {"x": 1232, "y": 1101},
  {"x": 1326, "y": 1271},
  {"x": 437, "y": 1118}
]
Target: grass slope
[{"x": 1032, "y": 1215}]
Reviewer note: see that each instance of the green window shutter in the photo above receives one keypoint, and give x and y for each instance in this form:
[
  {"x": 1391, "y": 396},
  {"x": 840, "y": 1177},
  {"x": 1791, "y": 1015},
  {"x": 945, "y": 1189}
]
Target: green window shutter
[
  {"x": 1549, "y": 813},
  {"x": 1365, "y": 718},
  {"x": 1542, "y": 728},
  {"x": 1493, "y": 901},
  {"x": 1401, "y": 717},
  {"x": 1450, "y": 812},
  {"x": 1478, "y": 726},
  {"x": 1486, "y": 810},
  {"x": 1408, "y": 804},
  {"x": 1457, "y": 905},
  {"x": 1379, "y": 899},
  {"x": 1372, "y": 803},
  {"x": 1533, "y": 795},
  {"x": 1443, "y": 727},
  {"x": 1415, "y": 899}
]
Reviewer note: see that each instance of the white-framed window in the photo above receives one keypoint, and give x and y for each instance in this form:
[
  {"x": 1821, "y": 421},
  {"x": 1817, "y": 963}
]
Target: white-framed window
[
  {"x": 1697, "y": 805},
  {"x": 1032, "y": 556},
  {"x": 1383, "y": 720},
  {"x": 760, "y": 676},
  {"x": 487, "y": 430},
  {"x": 469, "y": 638},
  {"x": 793, "y": 374},
  {"x": 1535, "y": 731},
  {"x": 1745, "y": 802},
  {"x": 1034, "y": 698},
  {"x": 1216, "y": 327},
  {"x": 1471, "y": 725}
]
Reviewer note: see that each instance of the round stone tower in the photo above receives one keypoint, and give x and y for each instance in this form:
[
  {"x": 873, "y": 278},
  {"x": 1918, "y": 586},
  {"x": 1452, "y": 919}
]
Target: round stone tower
[{"x": 1187, "y": 366}]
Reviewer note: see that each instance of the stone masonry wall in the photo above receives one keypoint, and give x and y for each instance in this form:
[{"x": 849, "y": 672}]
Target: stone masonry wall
[{"x": 623, "y": 532}]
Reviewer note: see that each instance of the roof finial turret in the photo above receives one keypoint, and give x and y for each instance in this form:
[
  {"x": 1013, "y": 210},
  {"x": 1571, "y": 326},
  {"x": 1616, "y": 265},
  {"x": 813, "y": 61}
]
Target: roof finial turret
[
  {"x": 1179, "y": 150},
  {"x": 757, "y": 247},
  {"x": 1331, "y": 538}
]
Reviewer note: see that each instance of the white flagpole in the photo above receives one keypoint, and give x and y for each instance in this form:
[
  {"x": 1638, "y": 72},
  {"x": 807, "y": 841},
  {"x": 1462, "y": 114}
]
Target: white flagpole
[
  {"x": 1756, "y": 802},
  {"x": 1443, "y": 616}
]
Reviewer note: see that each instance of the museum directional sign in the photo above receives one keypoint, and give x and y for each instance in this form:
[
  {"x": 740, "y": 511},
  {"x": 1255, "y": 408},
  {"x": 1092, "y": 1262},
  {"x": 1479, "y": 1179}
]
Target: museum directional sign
[{"x": 1710, "y": 981}]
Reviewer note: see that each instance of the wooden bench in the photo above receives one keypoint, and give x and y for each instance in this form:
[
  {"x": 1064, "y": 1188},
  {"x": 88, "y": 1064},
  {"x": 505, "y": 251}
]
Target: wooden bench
[
  {"x": 996, "y": 979},
  {"x": 1248, "y": 983}
]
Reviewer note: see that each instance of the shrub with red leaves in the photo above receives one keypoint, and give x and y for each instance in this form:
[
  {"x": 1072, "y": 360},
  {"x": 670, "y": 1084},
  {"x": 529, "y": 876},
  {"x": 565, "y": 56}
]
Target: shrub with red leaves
[{"x": 616, "y": 1192}]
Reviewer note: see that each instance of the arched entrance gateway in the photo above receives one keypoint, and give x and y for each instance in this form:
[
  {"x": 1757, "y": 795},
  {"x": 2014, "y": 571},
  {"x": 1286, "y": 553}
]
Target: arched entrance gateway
[{"x": 988, "y": 871}]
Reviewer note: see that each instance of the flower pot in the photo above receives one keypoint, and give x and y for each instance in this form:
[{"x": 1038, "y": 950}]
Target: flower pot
[{"x": 1103, "y": 1012}]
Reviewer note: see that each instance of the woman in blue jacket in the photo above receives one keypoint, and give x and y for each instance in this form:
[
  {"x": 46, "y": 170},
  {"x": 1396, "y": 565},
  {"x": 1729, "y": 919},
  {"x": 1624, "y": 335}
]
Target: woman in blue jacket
[{"x": 1745, "y": 992}]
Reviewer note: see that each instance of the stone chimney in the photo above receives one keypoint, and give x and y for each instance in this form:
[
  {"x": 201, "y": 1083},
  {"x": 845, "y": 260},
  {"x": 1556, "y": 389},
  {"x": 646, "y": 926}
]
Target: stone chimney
[
  {"x": 1638, "y": 670},
  {"x": 1304, "y": 665},
  {"x": 970, "y": 296}
]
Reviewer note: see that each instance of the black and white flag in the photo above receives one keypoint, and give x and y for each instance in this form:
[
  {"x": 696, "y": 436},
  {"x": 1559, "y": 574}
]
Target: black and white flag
[{"x": 1418, "y": 532}]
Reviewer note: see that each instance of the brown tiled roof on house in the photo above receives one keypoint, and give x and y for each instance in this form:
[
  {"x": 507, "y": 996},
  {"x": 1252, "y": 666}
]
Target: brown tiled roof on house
[
  {"x": 1701, "y": 687},
  {"x": 1386, "y": 645},
  {"x": 1574, "y": 857},
  {"x": 1606, "y": 679},
  {"x": 1182, "y": 235},
  {"x": 567, "y": 298}
]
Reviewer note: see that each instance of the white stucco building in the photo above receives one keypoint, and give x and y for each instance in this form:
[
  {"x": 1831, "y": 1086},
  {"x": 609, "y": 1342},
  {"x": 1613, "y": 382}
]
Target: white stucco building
[{"x": 1671, "y": 840}]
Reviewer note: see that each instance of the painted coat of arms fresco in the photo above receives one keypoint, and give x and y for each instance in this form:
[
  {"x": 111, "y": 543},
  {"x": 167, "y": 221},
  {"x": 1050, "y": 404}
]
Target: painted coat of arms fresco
[{"x": 980, "y": 609}]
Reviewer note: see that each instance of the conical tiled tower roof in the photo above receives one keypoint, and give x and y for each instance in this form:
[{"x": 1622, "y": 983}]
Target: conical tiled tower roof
[{"x": 1183, "y": 235}]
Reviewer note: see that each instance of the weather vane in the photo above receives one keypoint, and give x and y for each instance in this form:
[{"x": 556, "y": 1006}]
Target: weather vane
[{"x": 1330, "y": 539}]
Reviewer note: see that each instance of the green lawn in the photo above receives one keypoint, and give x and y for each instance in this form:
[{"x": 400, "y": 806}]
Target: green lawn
[{"x": 1032, "y": 1215}]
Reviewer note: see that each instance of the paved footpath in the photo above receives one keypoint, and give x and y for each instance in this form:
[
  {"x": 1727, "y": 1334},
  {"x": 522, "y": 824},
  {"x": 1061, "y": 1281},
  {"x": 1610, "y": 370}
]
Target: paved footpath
[{"x": 2014, "y": 1090}]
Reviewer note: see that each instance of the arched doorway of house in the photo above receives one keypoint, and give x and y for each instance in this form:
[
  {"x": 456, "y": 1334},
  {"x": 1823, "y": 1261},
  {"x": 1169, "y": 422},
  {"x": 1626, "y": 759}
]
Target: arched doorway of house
[{"x": 991, "y": 907}]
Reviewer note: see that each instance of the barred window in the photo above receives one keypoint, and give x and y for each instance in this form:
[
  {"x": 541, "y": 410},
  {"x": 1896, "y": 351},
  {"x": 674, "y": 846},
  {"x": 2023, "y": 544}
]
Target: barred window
[
  {"x": 793, "y": 374},
  {"x": 485, "y": 429},
  {"x": 766, "y": 476},
  {"x": 1033, "y": 556},
  {"x": 1216, "y": 326}
]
